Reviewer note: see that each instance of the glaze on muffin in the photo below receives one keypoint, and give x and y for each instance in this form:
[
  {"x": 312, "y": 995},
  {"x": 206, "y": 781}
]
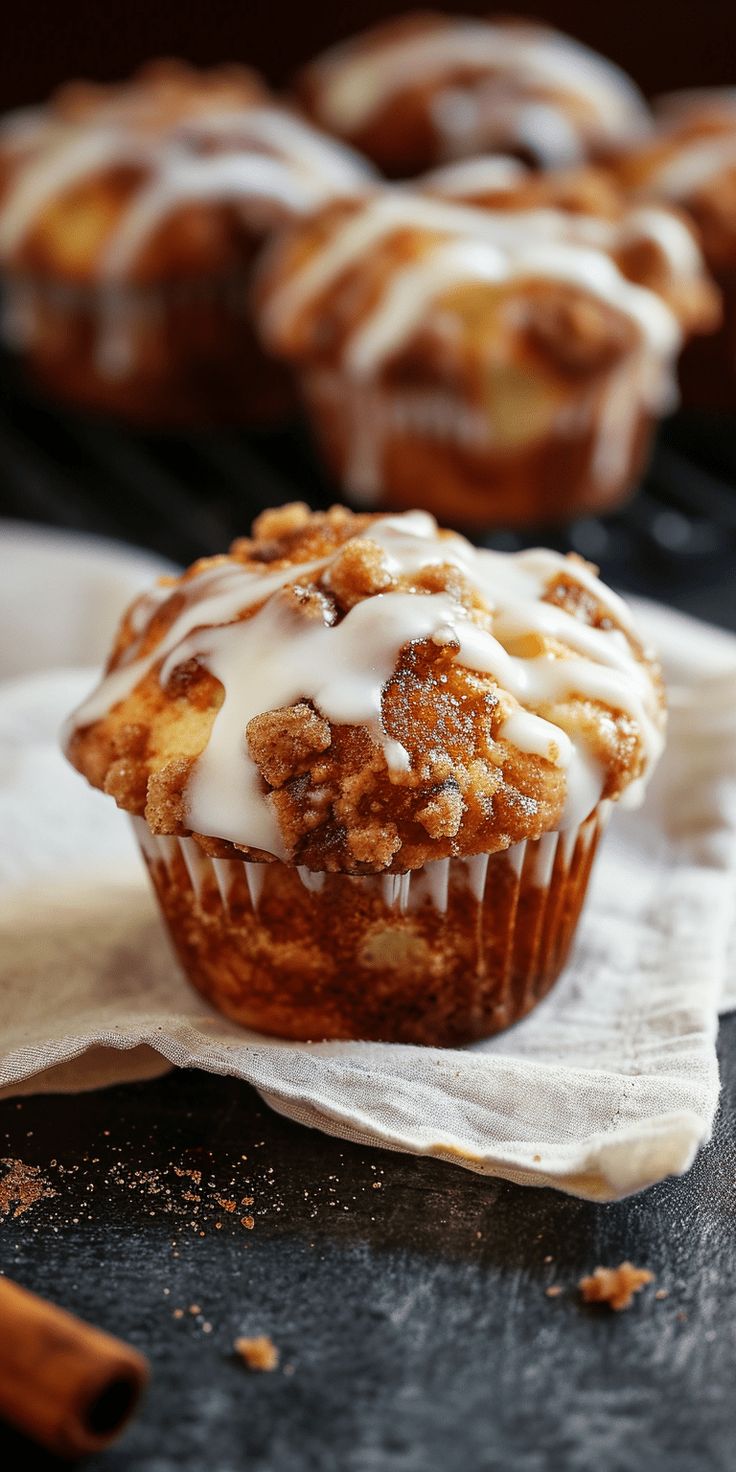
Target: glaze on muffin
[{"x": 362, "y": 694}]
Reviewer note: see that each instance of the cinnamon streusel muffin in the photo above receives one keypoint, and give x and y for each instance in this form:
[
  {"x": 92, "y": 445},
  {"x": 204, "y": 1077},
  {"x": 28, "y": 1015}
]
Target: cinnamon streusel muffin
[
  {"x": 130, "y": 218},
  {"x": 369, "y": 766},
  {"x": 496, "y": 366},
  {"x": 425, "y": 88}
]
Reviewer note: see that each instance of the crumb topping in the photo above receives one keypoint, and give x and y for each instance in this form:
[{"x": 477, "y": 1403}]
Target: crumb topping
[{"x": 364, "y": 693}]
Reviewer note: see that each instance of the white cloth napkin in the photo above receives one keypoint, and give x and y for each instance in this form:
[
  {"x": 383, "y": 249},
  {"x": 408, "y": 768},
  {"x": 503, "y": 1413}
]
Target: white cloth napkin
[{"x": 611, "y": 1084}]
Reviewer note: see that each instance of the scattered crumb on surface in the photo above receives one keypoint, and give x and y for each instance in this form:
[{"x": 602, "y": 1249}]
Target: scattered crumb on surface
[
  {"x": 548, "y": 1258},
  {"x": 615, "y": 1286},
  {"x": 661, "y": 1293},
  {"x": 248, "y": 1222},
  {"x": 553, "y": 1291},
  {"x": 21, "y": 1187},
  {"x": 259, "y": 1353}
]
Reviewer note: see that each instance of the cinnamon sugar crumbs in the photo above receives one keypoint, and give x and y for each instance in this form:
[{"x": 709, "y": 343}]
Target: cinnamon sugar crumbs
[
  {"x": 225, "y": 1203},
  {"x": 21, "y": 1187},
  {"x": 259, "y": 1353},
  {"x": 553, "y": 1291},
  {"x": 248, "y": 1222},
  {"x": 615, "y": 1286}
]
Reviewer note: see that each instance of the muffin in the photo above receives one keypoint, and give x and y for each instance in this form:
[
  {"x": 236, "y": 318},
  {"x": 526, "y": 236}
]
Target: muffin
[
  {"x": 369, "y": 766},
  {"x": 496, "y": 367},
  {"x": 427, "y": 88},
  {"x": 691, "y": 162},
  {"x": 130, "y": 218}
]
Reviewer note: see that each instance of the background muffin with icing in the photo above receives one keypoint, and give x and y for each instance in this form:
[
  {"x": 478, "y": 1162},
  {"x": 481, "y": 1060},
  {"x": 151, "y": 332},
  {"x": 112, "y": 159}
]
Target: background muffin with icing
[
  {"x": 130, "y": 218},
  {"x": 502, "y": 365},
  {"x": 369, "y": 767}
]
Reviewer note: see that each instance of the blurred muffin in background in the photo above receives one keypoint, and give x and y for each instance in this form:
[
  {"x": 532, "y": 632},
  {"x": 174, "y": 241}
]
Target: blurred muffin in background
[
  {"x": 130, "y": 218},
  {"x": 494, "y": 367},
  {"x": 426, "y": 88},
  {"x": 369, "y": 766},
  {"x": 690, "y": 162}
]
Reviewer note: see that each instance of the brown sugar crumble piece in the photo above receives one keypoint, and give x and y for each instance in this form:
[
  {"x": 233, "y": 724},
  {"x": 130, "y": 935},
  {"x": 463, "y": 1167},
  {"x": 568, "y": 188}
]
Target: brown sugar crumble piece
[
  {"x": 21, "y": 1187},
  {"x": 615, "y": 1286},
  {"x": 259, "y": 1353},
  {"x": 553, "y": 1291},
  {"x": 282, "y": 742},
  {"x": 359, "y": 572}
]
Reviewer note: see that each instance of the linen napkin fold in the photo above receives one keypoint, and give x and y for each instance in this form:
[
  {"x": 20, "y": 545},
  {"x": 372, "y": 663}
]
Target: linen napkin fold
[{"x": 608, "y": 1086}]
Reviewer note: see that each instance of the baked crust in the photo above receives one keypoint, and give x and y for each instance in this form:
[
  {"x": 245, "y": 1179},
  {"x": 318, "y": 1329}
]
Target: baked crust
[{"x": 339, "y": 806}]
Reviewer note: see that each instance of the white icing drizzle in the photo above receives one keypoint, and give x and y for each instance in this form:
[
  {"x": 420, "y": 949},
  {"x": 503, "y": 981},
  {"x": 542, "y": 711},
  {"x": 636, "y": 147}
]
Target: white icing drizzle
[
  {"x": 289, "y": 137},
  {"x": 75, "y": 157},
  {"x": 270, "y": 155},
  {"x": 500, "y": 246},
  {"x": 477, "y": 116},
  {"x": 356, "y": 80},
  {"x": 493, "y": 171},
  {"x": 229, "y": 178},
  {"x": 693, "y": 166},
  {"x": 276, "y": 657},
  {"x": 461, "y": 181}
]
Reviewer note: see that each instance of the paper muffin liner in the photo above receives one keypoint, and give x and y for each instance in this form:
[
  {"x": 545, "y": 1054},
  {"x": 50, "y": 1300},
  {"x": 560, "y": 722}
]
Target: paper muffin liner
[
  {"x": 442, "y": 955},
  {"x": 399, "y": 446},
  {"x": 169, "y": 351}
]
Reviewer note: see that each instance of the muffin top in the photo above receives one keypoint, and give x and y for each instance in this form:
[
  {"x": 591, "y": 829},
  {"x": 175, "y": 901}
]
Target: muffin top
[
  {"x": 652, "y": 243},
  {"x": 427, "y": 87},
  {"x": 424, "y": 288},
  {"x": 365, "y": 693},
  {"x": 167, "y": 174}
]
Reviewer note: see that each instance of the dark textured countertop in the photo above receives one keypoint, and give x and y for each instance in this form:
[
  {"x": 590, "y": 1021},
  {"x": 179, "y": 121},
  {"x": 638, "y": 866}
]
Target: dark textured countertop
[{"x": 406, "y": 1297}]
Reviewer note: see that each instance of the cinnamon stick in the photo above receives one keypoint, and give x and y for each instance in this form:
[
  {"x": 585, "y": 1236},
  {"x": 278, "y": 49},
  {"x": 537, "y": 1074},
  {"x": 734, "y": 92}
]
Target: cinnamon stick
[{"x": 68, "y": 1386}]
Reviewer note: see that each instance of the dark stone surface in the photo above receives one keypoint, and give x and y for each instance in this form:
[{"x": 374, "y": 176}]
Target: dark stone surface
[{"x": 406, "y": 1297}]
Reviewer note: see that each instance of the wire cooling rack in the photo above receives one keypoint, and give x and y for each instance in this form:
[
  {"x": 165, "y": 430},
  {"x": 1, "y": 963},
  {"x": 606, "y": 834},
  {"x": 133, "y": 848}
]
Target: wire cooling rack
[{"x": 185, "y": 495}]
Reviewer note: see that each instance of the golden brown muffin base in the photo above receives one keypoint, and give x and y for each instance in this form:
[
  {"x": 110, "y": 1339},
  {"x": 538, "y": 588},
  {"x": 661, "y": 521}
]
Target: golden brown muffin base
[
  {"x": 548, "y": 480},
  {"x": 193, "y": 356},
  {"x": 343, "y": 961}
]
